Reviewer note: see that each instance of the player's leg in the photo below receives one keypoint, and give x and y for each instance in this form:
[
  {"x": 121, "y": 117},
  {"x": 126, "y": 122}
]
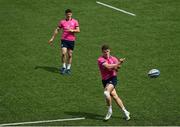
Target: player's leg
[
  {"x": 70, "y": 46},
  {"x": 120, "y": 103},
  {"x": 107, "y": 90},
  {"x": 70, "y": 53},
  {"x": 63, "y": 59},
  {"x": 117, "y": 99}
]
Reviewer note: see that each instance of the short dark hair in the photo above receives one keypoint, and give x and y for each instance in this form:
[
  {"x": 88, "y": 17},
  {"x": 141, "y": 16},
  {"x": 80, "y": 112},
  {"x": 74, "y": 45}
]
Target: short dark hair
[
  {"x": 105, "y": 47},
  {"x": 68, "y": 11}
]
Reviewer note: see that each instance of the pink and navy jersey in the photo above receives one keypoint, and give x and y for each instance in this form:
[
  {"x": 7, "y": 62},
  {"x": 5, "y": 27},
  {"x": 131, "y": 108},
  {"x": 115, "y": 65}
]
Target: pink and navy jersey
[
  {"x": 68, "y": 24},
  {"x": 106, "y": 73}
]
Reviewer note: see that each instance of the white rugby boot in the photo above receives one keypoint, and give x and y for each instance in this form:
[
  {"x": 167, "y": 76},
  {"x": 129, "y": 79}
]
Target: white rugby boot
[
  {"x": 108, "y": 115},
  {"x": 127, "y": 114}
]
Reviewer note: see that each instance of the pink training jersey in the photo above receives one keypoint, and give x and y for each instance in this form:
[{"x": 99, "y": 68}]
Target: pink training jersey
[
  {"x": 66, "y": 25},
  {"x": 105, "y": 73}
]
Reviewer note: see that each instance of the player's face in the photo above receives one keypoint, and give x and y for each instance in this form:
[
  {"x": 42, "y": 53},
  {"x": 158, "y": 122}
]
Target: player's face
[
  {"x": 106, "y": 53},
  {"x": 68, "y": 15}
]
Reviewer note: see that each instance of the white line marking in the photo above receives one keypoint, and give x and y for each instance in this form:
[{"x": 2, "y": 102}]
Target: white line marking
[
  {"x": 115, "y": 8},
  {"x": 45, "y": 121}
]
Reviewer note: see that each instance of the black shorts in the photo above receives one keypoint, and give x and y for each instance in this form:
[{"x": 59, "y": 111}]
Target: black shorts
[
  {"x": 112, "y": 80},
  {"x": 67, "y": 44}
]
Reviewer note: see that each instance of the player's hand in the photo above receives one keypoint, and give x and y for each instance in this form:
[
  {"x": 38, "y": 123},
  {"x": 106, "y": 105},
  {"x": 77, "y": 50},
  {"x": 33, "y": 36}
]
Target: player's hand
[
  {"x": 70, "y": 30},
  {"x": 117, "y": 67},
  {"x": 50, "y": 42},
  {"x": 121, "y": 60}
]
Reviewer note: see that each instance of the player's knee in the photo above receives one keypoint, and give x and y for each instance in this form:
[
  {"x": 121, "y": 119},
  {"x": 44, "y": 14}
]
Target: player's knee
[
  {"x": 107, "y": 94},
  {"x": 70, "y": 55},
  {"x": 63, "y": 54}
]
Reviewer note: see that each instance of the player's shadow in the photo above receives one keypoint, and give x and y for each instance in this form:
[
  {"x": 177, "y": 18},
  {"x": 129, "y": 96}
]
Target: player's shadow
[
  {"x": 86, "y": 115},
  {"x": 47, "y": 68},
  {"x": 93, "y": 116}
]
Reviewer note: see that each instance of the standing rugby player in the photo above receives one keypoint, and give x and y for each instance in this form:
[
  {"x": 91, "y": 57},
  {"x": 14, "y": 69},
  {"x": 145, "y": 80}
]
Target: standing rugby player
[{"x": 69, "y": 26}]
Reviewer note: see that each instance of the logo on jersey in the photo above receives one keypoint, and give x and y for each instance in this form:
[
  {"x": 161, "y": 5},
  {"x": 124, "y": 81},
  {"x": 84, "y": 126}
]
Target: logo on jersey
[{"x": 72, "y": 24}]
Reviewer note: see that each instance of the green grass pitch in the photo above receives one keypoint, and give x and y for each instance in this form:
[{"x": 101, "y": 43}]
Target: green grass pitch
[{"x": 31, "y": 88}]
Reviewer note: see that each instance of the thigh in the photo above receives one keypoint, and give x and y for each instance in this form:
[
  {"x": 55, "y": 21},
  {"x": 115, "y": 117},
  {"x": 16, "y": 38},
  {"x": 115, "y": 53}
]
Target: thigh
[
  {"x": 70, "y": 52},
  {"x": 64, "y": 50},
  {"x": 109, "y": 87},
  {"x": 113, "y": 93}
]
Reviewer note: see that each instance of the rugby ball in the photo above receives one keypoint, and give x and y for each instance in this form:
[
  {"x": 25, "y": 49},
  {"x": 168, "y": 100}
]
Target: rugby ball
[{"x": 153, "y": 73}]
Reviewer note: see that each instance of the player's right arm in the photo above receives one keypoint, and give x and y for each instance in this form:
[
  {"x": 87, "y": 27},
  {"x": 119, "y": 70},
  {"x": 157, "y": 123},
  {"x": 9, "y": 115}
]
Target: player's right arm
[
  {"x": 54, "y": 35},
  {"x": 111, "y": 66},
  {"x": 114, "y": 66}
]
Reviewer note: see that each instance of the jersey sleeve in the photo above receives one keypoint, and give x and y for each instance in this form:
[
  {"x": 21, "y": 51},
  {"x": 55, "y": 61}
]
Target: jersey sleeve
[
  {"x": 76, "y": 24},
  {"x": 101, "y": 61},
  {"x": 60, "y": 24}
]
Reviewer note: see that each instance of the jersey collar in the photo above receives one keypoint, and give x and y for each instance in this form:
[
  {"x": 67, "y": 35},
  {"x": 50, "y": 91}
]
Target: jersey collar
[
  {"x": 67, "y": 19},
  {"x": 107, "y": 58}
]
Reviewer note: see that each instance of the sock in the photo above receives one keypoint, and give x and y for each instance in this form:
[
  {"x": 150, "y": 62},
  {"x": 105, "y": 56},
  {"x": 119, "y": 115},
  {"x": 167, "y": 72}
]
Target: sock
[
  {"x": 110, "y": 109},
  {"x": 64, "y": 65},
  {"x": 125, "y": 111},
  {"x": 68, "y": 66}
]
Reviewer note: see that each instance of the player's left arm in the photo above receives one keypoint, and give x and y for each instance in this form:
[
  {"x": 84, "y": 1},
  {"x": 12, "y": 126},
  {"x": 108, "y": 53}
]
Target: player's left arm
[
  {"x": 77, "y": 28},
  {"x": 120, "y": 62}
]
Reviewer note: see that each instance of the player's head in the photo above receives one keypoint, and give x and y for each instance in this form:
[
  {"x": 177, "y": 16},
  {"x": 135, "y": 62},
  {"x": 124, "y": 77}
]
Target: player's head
[
  {"x": 68, "y": 13},
  {"x": 105, "y": 50}
]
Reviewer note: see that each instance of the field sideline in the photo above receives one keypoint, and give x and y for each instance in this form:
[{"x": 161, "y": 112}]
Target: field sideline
[{"x": 31, "y": 88}]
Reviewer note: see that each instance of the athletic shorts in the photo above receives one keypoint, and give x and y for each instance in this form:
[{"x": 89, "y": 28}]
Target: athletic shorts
[
  {"x": 112, "y": 80},
  {"x": 67, "y": 44}
]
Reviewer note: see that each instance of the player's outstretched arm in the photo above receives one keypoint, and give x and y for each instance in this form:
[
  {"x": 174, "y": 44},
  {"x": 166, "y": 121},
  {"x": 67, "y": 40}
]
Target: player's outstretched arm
[{"x": 54, "y": 35}]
